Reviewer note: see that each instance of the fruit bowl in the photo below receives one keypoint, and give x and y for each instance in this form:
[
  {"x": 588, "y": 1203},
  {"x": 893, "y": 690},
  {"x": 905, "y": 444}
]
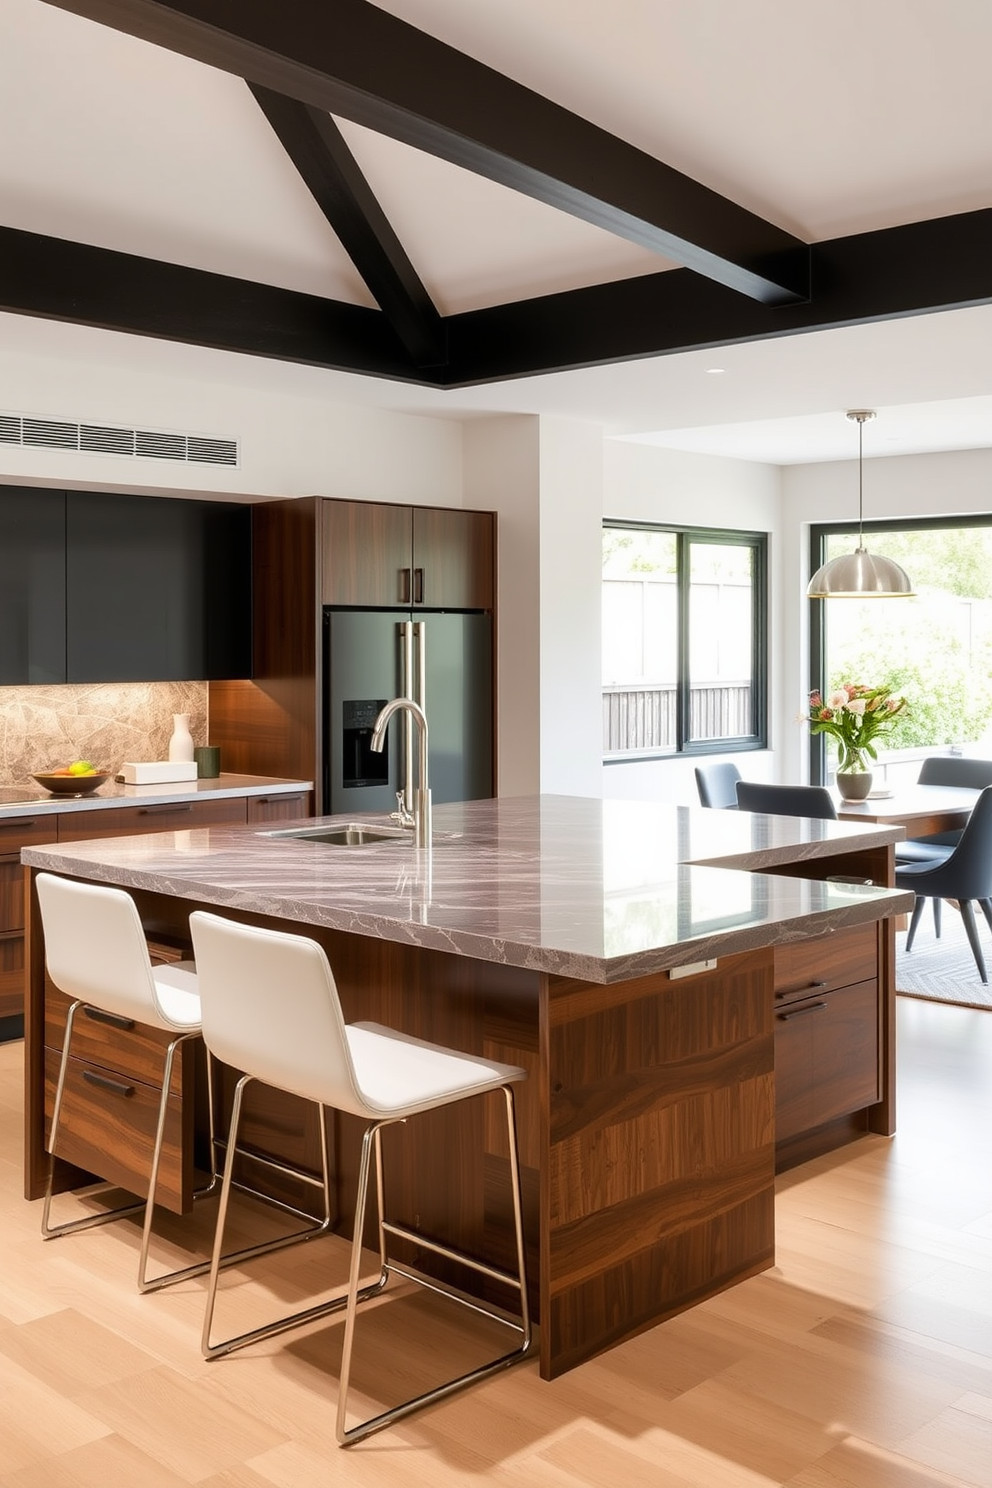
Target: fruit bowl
[{"x": 70, "y": 785}]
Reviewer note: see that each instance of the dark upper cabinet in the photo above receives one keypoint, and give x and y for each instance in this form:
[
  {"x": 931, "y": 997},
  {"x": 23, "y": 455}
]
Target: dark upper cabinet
[
  {"x": 32, "y": 585},
  {"x": 107, "y": 588},
  {"x": 157, "y": 589},
  {"x": 401, "y": 557}
]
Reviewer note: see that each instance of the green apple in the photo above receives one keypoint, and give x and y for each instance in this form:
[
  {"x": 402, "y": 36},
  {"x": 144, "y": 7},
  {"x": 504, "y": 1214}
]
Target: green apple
[{"x": 81, "y": 767}]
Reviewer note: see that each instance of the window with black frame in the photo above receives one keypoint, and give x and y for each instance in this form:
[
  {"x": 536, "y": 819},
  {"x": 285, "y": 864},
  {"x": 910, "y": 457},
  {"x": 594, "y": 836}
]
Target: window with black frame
[
  {"x": 934, "y": 649},
  {"x": 684, "y": 623}
]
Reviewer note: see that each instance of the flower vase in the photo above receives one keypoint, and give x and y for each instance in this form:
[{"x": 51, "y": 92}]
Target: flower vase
[
  {"x": 181, "y": 743},
  {"x": 853, "y": 785}
]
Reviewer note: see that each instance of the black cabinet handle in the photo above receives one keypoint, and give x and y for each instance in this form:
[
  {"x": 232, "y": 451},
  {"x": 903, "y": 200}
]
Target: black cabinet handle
[
  {"x": 418, "y": 586},
  {"x": 163, "y": 809},
  {"x": 814, "y": 1007},
  {"x": 406, "y": 588},
  {"x": 103, "y": 1082},
  {"x": 17, "y": 822},
  {"x": 794, "y": 992},
  {"x": 114, "y": 1019}
]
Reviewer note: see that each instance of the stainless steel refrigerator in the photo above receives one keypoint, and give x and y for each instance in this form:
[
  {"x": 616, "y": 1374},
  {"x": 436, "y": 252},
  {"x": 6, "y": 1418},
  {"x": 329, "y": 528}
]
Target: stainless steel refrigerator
[{"x": 441, "y": 659}]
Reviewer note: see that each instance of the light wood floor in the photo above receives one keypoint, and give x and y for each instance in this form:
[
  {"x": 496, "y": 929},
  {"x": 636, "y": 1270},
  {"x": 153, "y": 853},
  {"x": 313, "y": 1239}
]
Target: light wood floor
[{"x": 862, "y": 1360}]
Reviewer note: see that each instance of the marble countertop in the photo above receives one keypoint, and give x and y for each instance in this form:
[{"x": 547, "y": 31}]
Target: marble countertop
[
  {"x": 600, "y": 890},
  {"x": 36, "y": 800}
]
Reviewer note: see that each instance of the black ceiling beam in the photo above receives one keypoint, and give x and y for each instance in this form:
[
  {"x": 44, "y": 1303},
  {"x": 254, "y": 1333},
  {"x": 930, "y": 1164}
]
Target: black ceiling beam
[
  {"x": 916, "y": 269},
  {"x": 75, "y": 282},
  {"x": 924, "y": 267},
  {"x": 348, "y": 57},
  {"x": 319, "y": 152}
]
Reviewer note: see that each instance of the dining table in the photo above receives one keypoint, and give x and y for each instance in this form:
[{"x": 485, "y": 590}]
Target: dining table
[{"x": 921, "y": 809}]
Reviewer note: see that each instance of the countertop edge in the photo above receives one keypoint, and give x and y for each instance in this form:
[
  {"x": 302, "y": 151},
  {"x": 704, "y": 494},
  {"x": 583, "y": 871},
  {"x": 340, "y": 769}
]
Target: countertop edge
[{"x": 224, "y": 787}]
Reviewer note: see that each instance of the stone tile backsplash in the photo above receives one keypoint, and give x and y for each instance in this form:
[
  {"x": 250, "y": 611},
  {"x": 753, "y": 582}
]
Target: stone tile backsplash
[{"x": 43, "y": 728}]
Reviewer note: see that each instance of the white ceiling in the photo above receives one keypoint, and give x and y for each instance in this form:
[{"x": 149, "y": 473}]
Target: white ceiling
[{"x": 826, "y": 118}]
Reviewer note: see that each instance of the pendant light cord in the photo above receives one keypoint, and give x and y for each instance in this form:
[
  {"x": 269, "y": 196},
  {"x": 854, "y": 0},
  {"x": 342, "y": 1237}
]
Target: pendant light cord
[{"x": 861, "y": 482}]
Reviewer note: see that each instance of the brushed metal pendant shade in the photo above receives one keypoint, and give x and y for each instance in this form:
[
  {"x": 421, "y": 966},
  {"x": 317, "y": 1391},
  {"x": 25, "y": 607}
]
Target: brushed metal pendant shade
[{"x": 860, "y": 575}]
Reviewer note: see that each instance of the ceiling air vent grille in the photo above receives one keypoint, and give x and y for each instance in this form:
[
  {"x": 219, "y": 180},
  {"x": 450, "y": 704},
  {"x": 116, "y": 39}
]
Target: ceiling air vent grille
[{"x": 108, "y": 439}]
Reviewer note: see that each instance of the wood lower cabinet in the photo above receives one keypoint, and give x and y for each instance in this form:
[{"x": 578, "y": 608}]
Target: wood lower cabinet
[
  {"x": 166, "y": 816},
  {"x": 15, "y": 833},
  {"x": 262, "y": 809},
  {"x": 827, "y": 1036}
]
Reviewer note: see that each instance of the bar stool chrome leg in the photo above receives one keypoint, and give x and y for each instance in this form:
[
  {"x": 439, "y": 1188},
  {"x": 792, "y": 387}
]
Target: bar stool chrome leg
[{"x": 218, "y": 1260}]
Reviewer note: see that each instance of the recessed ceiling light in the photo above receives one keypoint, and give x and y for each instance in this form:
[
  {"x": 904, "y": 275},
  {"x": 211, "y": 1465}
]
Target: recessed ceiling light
[{"x": 715, "y": 371}]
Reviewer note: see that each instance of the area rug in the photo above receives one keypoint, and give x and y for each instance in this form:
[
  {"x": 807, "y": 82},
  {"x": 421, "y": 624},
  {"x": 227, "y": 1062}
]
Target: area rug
[{"x": 944, "y": 970}]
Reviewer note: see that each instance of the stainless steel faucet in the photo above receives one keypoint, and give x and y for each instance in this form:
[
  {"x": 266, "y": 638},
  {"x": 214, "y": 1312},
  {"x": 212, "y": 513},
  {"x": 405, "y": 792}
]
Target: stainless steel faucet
[{"x": 422, "y": 824}]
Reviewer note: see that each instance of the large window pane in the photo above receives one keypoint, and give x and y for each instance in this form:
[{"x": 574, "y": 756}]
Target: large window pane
[
  {"x": 640, "y": 640},
  {"x": 682, "y": 609},
  {"x": 721, "y": 640},
  {"x": 936, "y": 648}
]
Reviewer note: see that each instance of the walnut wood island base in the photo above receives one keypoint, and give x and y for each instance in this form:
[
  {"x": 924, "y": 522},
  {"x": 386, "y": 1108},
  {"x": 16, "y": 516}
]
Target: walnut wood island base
[{"x": 690, "y": 994}]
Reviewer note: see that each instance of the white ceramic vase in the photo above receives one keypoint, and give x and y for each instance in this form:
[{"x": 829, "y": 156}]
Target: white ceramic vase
[{"x": 181, "y": 743}]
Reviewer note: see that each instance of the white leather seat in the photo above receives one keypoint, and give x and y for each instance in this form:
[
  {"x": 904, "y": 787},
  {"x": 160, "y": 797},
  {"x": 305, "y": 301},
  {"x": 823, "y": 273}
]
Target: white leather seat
[
  {"x": 97, "y": 954},
  {"x": 271, "y": 1008}
]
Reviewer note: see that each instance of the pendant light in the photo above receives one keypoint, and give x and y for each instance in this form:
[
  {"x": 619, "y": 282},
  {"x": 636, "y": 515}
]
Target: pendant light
[{"x": 858, "y": 575}]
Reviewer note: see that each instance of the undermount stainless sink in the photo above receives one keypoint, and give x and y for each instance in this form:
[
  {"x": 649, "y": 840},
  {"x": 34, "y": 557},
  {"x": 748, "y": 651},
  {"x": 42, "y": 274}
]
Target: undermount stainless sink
[{"x": 350, "y": 834}]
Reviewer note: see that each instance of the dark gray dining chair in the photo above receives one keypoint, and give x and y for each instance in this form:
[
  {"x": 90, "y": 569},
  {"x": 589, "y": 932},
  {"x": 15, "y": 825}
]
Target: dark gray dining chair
[
  {"x": 965, "y": 876},
  {"x": 943, "y": 769},
  {"x": 717, "y": 785},
  {"x": 787, "y": 800}
]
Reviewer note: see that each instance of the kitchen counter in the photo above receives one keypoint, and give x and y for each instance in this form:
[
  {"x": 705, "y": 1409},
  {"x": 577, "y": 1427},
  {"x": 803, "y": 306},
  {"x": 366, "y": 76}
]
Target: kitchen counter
[
  {"x": 36, "y": 801},
  {"x": 602, "y": 890},
  {"x": 631, "y": 956}
]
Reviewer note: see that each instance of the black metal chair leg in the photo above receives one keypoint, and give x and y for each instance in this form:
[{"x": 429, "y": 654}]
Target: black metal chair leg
[
  {"x": 968, "y": 915},
  {"x": 914, "y": 922}
]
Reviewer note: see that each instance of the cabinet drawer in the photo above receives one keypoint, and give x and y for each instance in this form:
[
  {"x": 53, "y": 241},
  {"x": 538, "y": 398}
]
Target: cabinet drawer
[
  {"x": 11, "y": 975},
  {"x": 25, "y": 831},
  {"x": 826, "y": 1058},
  {"x": 108, "y": 1125},
  {"x": 807, "y": 967},
  {"x": 135, "y": 1053},
  {"x": 263, "y": 809},
  {"x": 126, "y": 821}
]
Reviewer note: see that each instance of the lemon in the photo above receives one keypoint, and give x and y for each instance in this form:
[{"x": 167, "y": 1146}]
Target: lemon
[{"x": 81, "y": 767}]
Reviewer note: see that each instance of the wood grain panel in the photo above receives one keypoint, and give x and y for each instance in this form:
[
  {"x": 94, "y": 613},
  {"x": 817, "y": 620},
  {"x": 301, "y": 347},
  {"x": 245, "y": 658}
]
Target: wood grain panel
[
  {"x": 367, "y": 550},
  {"x": 169, "y": 816},
  {"x": 272, "y": 725},
  {"x": 660, "y": 1143},
  {"x": 134, "y": 1054},
  {"x": 112, "y": 1134},
  {"x": 264, "y": 809},
  {"x": 826, "y": 961},
  {"x": 625, "y": 1298},
  {"x": 11, "y": 895},
  {"x": 11, "y": 974},
  {"x": 453, "y": 558}
]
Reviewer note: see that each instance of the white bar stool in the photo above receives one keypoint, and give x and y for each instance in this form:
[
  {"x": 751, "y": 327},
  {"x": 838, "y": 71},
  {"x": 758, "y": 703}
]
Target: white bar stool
[
  {"x": 271, "y": 1008},
  {"x": 96, "y": 953}
]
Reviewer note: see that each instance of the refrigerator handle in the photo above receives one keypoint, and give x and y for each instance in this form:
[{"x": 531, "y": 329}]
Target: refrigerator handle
[
  {"x": 420, "y": 645},
  {"x": 407, "y": 689}
]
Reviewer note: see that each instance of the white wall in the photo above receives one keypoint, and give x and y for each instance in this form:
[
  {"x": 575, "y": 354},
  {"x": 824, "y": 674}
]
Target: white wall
[
  {"x": 643, "y": 483},
  {"x": 543, "y": 478},
  {"x": 295, "y": 441},
  {"x": 958, "y": 482},
  {"x": 571, "y": 605},
  {"x": 502, "y": 474}
]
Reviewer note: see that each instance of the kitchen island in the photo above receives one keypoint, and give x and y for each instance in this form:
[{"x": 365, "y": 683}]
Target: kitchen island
[{"x": 629, "y": 956}]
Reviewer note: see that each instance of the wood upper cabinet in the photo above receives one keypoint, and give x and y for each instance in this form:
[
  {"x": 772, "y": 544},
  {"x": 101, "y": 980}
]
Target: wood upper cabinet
[{"x": 401, "y": 557}]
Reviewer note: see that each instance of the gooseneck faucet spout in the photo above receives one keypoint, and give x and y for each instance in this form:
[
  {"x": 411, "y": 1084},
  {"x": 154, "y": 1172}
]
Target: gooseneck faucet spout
[{"x": 422, "y": 825}]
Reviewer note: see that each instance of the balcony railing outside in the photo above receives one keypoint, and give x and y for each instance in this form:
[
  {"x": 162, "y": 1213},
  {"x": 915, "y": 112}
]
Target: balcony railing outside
[{"x": 641, "y": 719}]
